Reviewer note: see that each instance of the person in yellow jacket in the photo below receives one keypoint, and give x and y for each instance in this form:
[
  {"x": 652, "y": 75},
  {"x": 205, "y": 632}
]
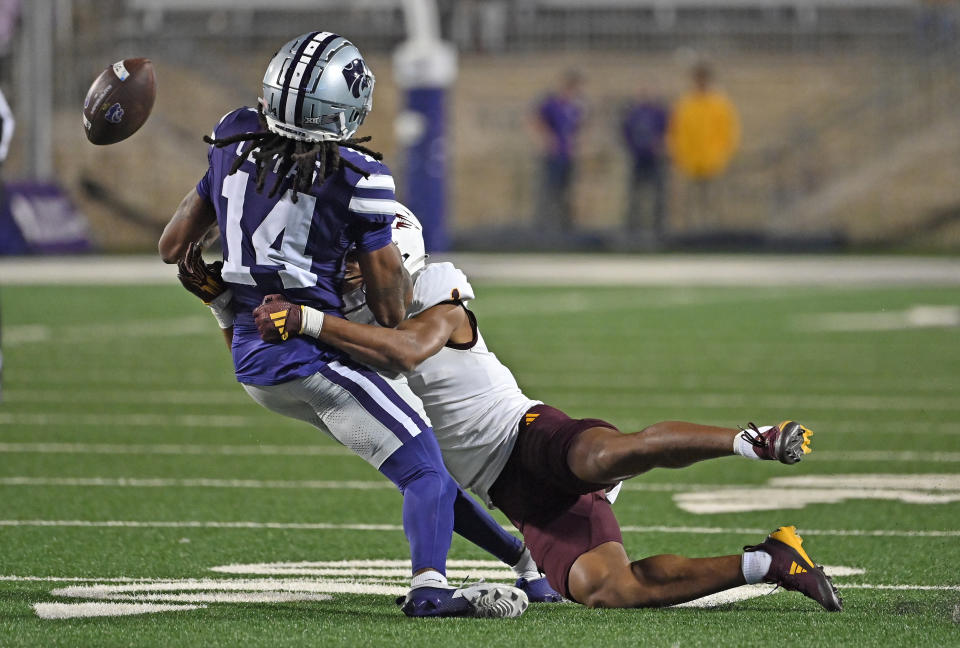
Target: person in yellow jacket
[{"x": 702, "y": 137}]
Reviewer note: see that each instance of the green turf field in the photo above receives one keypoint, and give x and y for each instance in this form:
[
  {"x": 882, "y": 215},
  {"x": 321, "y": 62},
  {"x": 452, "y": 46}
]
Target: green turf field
[{"x": 132, "y": 465}]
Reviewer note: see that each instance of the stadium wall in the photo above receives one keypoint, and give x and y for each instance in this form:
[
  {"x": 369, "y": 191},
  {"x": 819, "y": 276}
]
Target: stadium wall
[{"x": 864, "y": 144}]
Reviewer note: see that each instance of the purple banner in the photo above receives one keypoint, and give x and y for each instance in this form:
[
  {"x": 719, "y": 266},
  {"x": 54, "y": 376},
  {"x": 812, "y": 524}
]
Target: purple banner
[
  {"x": 426, "y": 186},
  {"x": 38, "y": 218}
]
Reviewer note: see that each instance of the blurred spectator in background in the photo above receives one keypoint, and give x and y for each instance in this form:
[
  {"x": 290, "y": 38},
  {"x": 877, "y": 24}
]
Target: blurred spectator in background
[
  {"x": 557, "y": 120},
  {"x": 644, "y": 130},
  {"x": 703, "y": 135}
]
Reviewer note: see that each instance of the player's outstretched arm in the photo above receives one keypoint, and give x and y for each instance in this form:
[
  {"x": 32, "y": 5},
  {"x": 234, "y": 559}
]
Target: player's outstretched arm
[
  {"x": 194, "y": 216},
  {"x": 388, "y": 286},
  {"x": 399, "y": 349}
]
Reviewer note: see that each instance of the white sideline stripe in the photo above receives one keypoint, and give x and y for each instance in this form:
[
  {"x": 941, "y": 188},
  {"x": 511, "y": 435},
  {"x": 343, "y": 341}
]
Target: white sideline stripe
[
  {"x": 162, "y": 482},
  {"x": 562, "y": 269},
  {"x": 266, "y": 585},
  {"x": 852, "y": 456},
  {"x": 172, "y": 449},
  {"x": 210, "y": 482},
  {"x": 797, "y": 492},
  {"x": 953, "y": 588},
  {"x": 42, "y": 334},
  {"x": 130, "y": 420},
  {"x": 201, "y": 524},
  {"x": 152, "y": 397},
  {"x": 324, "y": 526},
  {"x": 774, "y": 499},
  {"x": 833, "y": 426},
  {"x": 727, "y": 401},
  {"x": 887, "y": 455},
  {"x": 387, "y": 567},
  {"x": 920, "y": 316},
  {"x": 217, "y": 597},
  {"x": 923, "y": 482},
  {"x": 77, "y": 579},
  {"x": 887, "y": 533}
]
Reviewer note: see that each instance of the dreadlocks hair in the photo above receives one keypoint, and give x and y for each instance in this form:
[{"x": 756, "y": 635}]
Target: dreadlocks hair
[{"x": 313, "y": 160}]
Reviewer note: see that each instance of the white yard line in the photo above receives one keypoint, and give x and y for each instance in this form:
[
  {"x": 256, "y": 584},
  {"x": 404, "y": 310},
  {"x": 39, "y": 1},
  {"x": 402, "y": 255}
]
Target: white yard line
[
  {"x": 307, "y": 484},
  {"x": 645, "y": 396},
  {"x": 860, "y": 456},
  {"x": 799, "y": 491},
  {"x": 557, "y": 269},
  {"x": 174, "y": 449},
  {"x": 915, "y": 317},
  {"x": 681, "y": 400},
  {"x": 699, "y": 530},
  {"x": 133, "y": 482},
  {"x": 846, "y": 456},
  {"x": 54, "y": 611},
  {"x": 75, "y": 579},
  {"x": 129, "y": 420},
  {"x": 200, "y": 524},
  {"x": 324, "y": 526},
  {"x": 42, "y": 334},
  {"x": 129, "y": 397},
  {"x": 951, "y": 588}
]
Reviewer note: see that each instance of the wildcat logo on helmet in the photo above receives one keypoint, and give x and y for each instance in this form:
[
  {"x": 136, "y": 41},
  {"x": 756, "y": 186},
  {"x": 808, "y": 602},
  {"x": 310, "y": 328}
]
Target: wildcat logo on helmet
[
  {"x": 114, "y": 114},
  {"x": 357, "y": 78}
]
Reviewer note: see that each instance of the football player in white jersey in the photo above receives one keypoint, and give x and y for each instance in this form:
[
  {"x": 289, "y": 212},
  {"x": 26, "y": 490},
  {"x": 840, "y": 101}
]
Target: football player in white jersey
[{"x": 551, "y": 474}]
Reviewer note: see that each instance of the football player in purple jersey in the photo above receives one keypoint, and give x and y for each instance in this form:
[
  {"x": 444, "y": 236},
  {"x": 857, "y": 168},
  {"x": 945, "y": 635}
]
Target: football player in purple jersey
[
  {"x": 291, "y": 193},
  {"x": 552, "y": 475}
]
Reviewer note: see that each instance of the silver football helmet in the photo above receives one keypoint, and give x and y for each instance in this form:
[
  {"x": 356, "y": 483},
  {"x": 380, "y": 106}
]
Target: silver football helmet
[{"x": 317, "y": 87}]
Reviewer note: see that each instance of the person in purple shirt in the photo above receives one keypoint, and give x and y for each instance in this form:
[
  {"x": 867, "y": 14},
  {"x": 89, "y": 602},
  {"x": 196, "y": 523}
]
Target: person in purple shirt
[
  {"x": 644, "y": 128},
  {"x": 557, "y": 120},
  {"x": 293, "y": 192}
]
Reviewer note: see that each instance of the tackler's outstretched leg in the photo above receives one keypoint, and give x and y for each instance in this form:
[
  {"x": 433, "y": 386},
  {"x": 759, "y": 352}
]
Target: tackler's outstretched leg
[
  {"x": 606, "y": 577},
  {"x": 605, "y": 455}
]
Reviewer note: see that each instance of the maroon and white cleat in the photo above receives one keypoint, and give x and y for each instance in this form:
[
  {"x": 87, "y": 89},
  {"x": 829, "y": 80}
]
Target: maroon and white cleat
[{"x": 786, "y": 442}]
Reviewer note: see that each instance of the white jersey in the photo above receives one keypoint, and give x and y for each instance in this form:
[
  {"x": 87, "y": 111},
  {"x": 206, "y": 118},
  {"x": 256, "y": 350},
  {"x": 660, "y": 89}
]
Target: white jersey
[{"x": 471, "y": 398}]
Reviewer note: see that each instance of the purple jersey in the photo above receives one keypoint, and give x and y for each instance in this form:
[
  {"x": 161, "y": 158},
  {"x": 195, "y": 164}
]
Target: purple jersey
[
  {"x": 275, "y": 245},
  {"x": 562, "y": 117},
  {"x": 644, "y": 128}
]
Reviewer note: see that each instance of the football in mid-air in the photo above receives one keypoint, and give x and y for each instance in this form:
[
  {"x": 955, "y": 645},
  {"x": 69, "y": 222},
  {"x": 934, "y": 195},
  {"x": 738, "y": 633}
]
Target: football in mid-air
[{"x": 119, "y": 101}]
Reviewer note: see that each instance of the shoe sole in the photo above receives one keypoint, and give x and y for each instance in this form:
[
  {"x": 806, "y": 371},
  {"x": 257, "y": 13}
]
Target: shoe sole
[
  {"x": 793, "y": 443},
  {"x": 496, "y": 601}
]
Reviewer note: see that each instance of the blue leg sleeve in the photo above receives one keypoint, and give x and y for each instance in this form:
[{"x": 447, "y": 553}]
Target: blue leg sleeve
[
  {"x": 428, "y": 497},
  {"x": 474, "y": 523}
]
